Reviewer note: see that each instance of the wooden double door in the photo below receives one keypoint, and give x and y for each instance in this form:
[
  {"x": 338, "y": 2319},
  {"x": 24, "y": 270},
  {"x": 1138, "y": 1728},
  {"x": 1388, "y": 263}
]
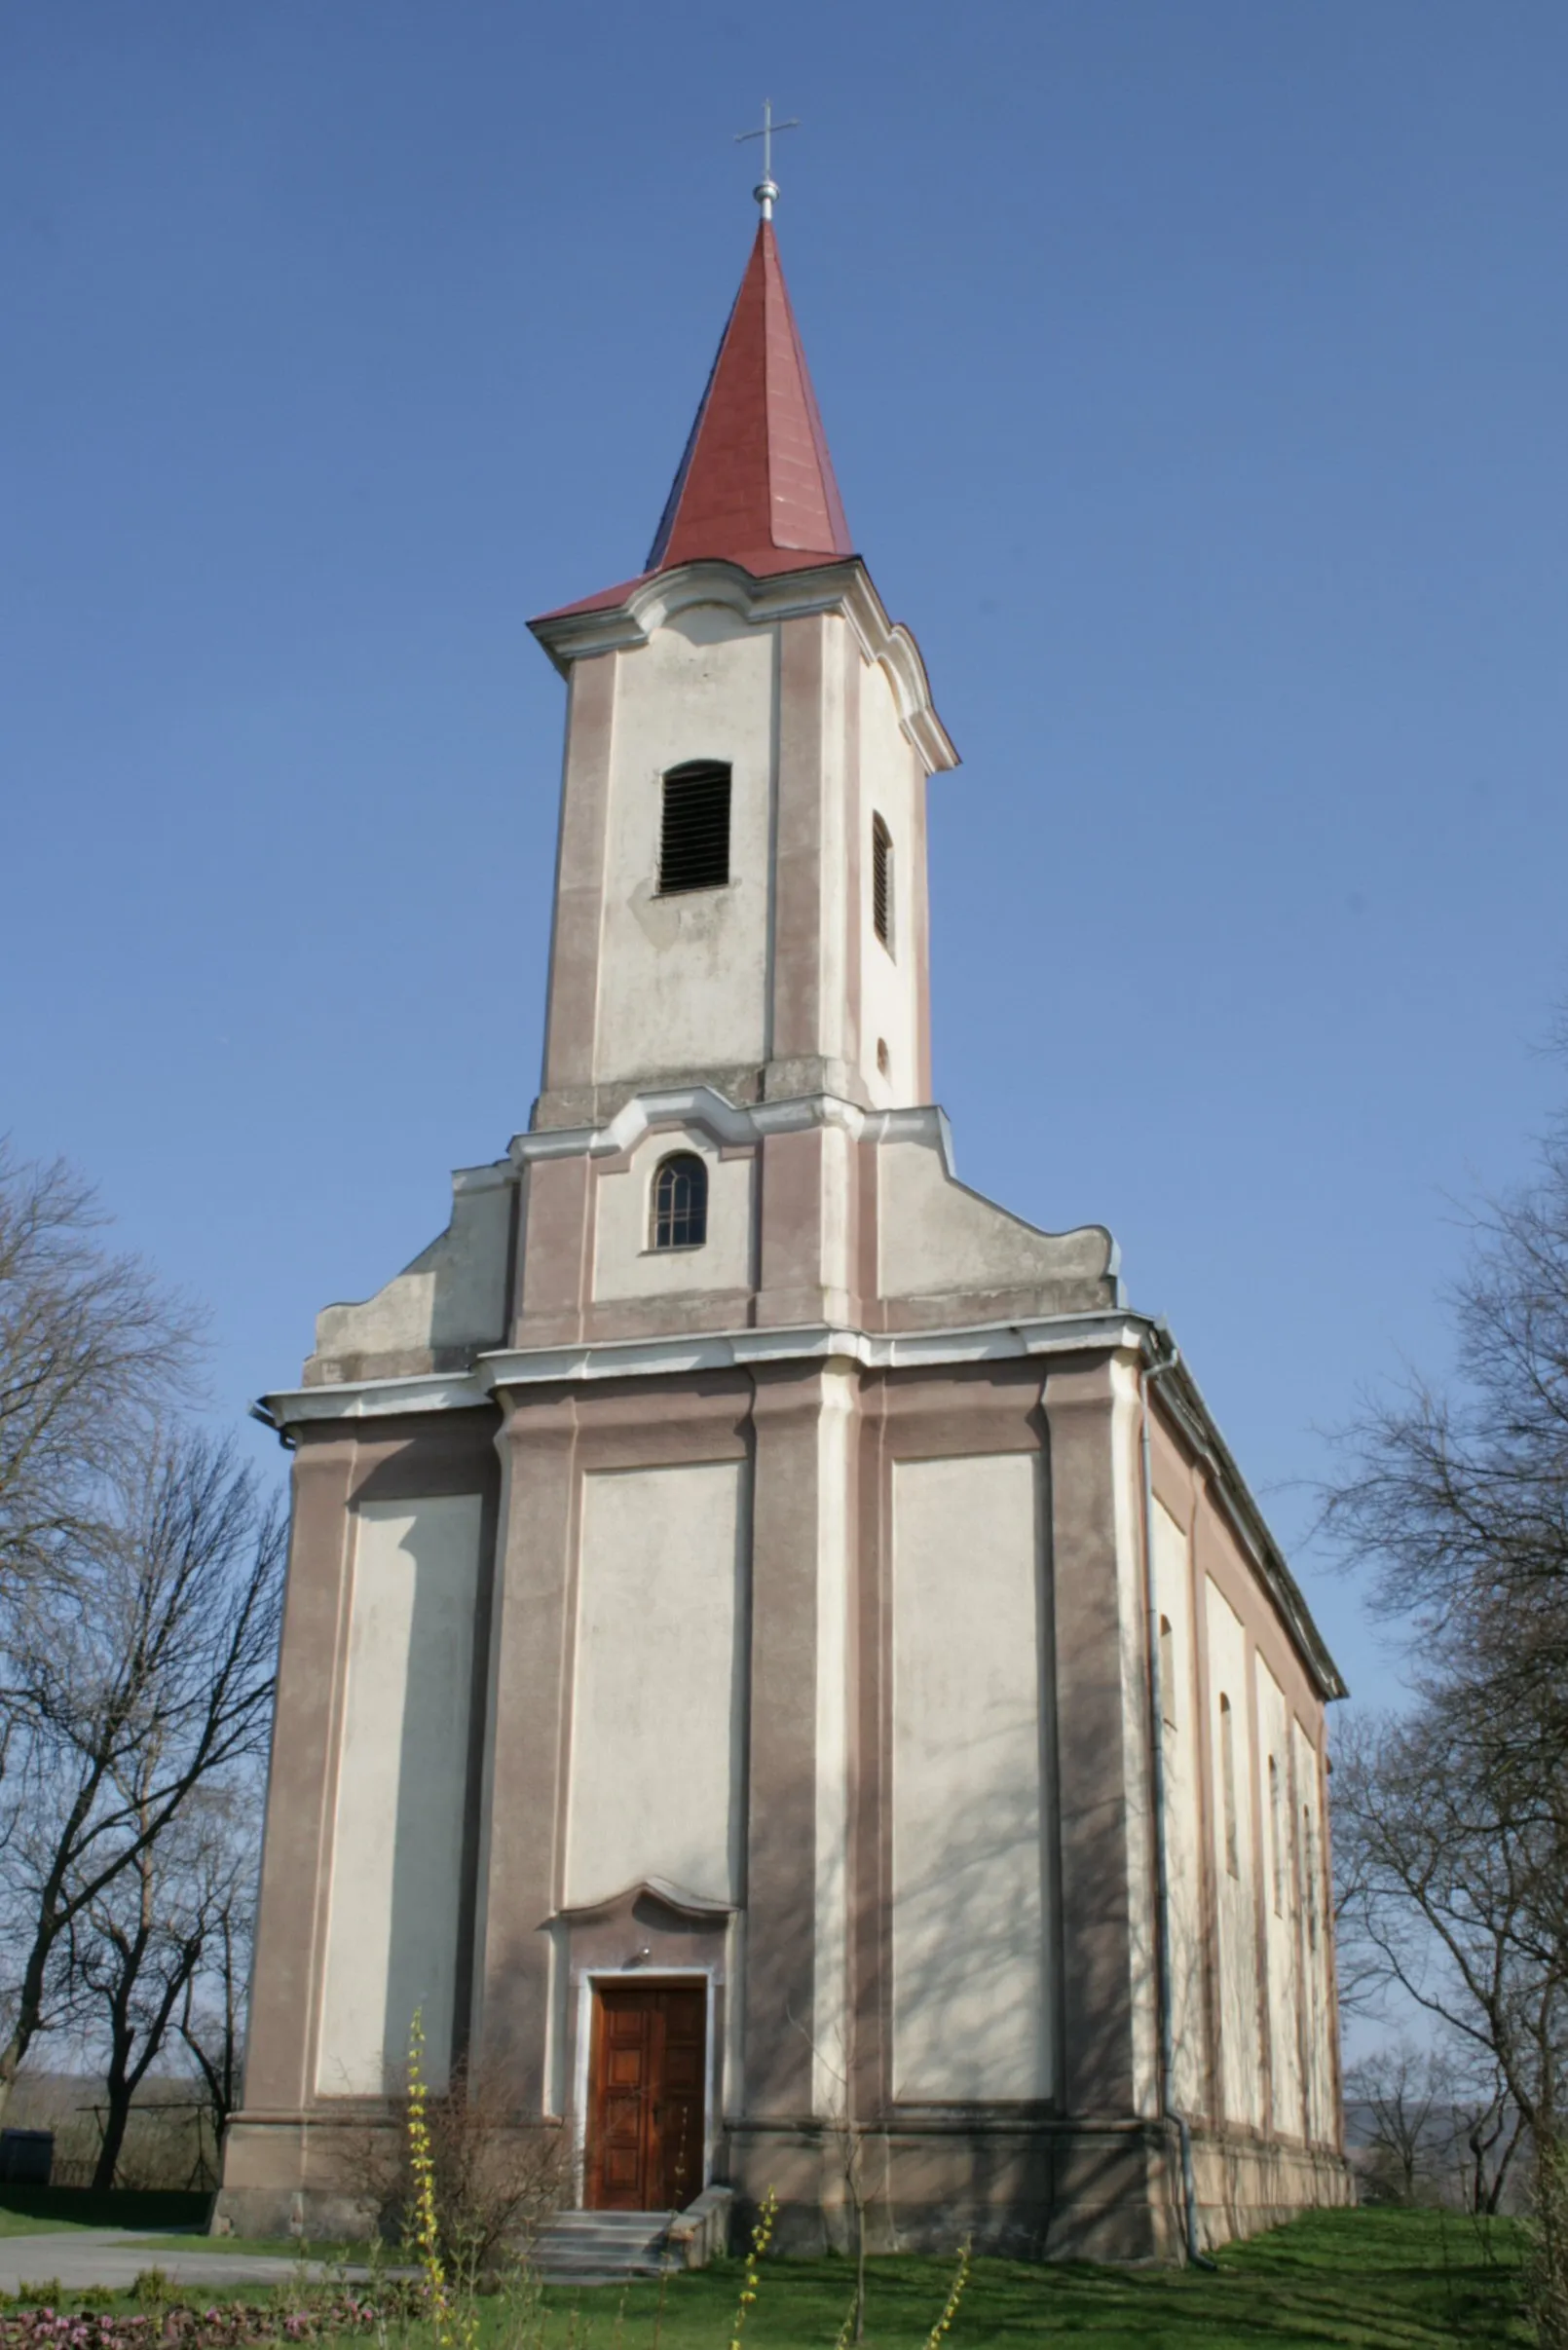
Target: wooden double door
[{"x": 647, "y": 2071}]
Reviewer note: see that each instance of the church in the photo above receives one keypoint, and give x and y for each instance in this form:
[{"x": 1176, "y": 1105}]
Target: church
[{"x": 775, "y": 1645}]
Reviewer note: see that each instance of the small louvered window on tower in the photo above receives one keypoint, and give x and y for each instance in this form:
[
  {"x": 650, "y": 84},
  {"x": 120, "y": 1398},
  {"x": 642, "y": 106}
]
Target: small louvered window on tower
[
  {"x": 694, "y": 842},
  {"x": 881, "y": 881}
]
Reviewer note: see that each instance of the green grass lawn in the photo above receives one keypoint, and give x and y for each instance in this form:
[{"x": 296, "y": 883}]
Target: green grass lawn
[
  {"x": 19, "y": 2224},
  {"x": 1383, "y": 2280},
  {"x": 1377, "y": 2279}
]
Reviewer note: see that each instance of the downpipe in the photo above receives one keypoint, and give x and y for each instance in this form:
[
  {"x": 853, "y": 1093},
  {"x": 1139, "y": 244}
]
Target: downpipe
[{"x": 1196, "y": 2254}]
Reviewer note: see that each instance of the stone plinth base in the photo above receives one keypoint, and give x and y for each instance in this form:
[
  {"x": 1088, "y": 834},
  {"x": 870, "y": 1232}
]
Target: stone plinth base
[
  {"x": 1245, "y": 2186},
  {"x": 300, "y": 2175},
  {"x": 1041, "y": 2190},
  {"x": 1028, "y": 2190}
]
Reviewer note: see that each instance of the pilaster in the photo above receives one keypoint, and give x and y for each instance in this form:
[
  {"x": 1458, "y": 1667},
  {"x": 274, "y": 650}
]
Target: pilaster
[
  {"x": 800, "y": 881},
  {"x": 781, "y": 1867},
  {"x": 297, "y": 1854},
  {"x": 1096, "y": 1926},
  {"x": 524, "y": 1794},
  {"x": 556, "y": 1252},
  {"x": 572, "y": 1006}
]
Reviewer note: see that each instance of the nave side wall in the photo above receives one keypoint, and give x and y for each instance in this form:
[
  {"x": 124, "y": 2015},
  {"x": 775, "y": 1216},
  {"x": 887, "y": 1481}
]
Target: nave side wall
[{"x": 812, "y": 1683}]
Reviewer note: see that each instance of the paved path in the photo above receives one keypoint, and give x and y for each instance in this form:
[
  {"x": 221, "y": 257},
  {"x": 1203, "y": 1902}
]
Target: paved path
[{"x": 115, "y": 2256}]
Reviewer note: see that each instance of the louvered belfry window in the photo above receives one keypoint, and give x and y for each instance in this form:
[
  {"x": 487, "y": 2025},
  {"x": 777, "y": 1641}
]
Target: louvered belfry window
[
  {"x": 694, "y": 842},
  {"x": 881, "y": 881},
  {"x": 681, "y": 1203}
]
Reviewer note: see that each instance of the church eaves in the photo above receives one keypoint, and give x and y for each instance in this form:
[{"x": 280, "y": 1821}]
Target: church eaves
[{"x": 755, "y": 485}]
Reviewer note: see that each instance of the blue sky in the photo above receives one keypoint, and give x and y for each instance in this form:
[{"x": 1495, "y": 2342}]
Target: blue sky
[{"x": 1196, "y": 381}]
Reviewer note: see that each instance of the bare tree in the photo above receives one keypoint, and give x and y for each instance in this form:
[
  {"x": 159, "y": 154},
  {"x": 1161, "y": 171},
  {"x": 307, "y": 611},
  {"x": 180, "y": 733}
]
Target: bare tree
[
  {"x": 148, "y": 1675},
  {"x": 1403, "y": 2094},
  {"x": 1487, "y": 2127},
  {"x": 92, "y": 1348},
  {"x": 211, "y": 2016},
  {"x": 1458, "y": 1500},
  {"x": 140, "y": 1949},
  {"x": 133, "y": 1953},
  {"x": 1450, "y": 1897},
  {"x": 1452, "y": 1821},
  {"x": 1437, "y": 2124},
  {"x": 1361, "y": 1975}
]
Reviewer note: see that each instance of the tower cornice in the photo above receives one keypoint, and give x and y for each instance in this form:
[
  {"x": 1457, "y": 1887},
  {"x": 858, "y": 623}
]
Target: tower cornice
[{"x": 624, "y": 617}]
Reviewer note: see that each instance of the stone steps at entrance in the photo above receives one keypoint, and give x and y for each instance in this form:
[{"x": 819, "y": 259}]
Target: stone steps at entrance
[{"x": 602, "y": 2248}]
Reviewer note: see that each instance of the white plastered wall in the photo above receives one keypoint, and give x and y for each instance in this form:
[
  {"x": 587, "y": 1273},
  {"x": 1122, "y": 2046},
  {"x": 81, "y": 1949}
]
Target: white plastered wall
[
  {"x": 1314, "y": 1936},
  {"x": 397, "y": 1842},
  {"x": 1131, "y": 1608},
  {"x": 889, "y": 979},
  {"x": 657, "y": 1750},
  {"x": 1280, "y": 1923},
  {"x": 836, "y": 817},
  {"x": 626, "y": 1264},
  {"x": 1240, "y": 2067},
  {"x": 683, "y": 981},
  {"x": 1184, "y": 1814},
  {"x": 934, "y": 1235},
  {"x": 972, "y": 2001},
  {"x": 454, "y": 1292}
]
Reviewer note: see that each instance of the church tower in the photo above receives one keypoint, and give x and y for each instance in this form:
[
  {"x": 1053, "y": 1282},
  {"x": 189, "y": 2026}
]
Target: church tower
[
  {"x": 741, "y": 892},
  {"x": 772, "y": 1639}
]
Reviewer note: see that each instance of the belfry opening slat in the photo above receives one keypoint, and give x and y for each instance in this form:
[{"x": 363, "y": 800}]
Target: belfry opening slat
[{"x": 693, "y": 849}]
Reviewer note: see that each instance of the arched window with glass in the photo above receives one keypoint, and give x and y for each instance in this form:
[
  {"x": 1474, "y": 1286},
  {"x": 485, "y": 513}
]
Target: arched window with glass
[{"x": 681, "y": 1201}]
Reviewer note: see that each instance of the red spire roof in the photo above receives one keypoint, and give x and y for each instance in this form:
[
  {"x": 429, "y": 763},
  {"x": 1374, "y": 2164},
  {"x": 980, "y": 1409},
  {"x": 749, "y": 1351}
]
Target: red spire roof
[{"x": 755, "y": 484}]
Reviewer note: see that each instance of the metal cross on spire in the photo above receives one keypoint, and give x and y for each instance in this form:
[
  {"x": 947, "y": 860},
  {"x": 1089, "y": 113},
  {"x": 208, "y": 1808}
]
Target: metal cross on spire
[{"x": 766, "y": 190}]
